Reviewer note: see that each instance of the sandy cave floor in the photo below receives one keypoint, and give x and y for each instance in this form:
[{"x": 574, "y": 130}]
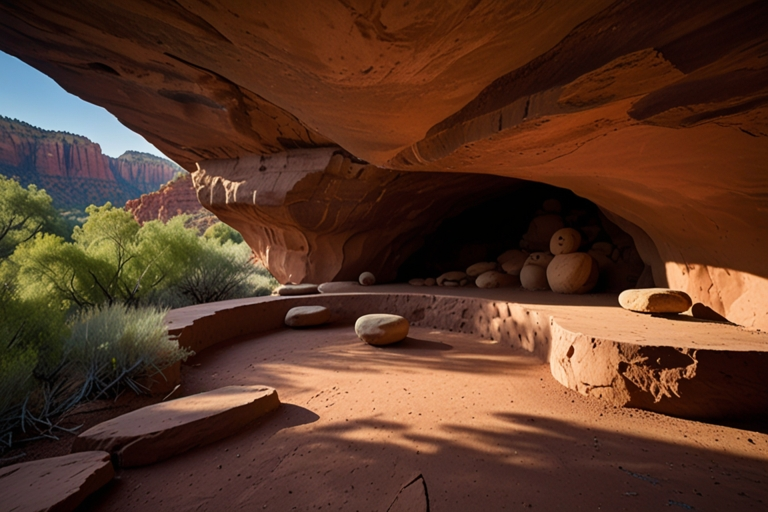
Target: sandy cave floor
[{"x": 486, "y": 425}]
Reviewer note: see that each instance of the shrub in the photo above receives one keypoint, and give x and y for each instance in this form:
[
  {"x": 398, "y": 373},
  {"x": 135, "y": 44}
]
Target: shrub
[{"x": 112, "y": 347}]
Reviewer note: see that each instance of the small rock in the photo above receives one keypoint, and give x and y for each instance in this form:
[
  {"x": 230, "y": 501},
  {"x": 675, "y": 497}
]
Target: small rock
[
  {"x": 565, "y": 241},
  {"x": 655, "y": 300},
  {"x": 430, "y": 281},
  {"x": 455, "y": 278},
  {"x": 494, "y": 279},
  {"x": 577, "y": 272},
  {"x": 540, "y": 259},
  {"x": 514, "y": 261},
  {"x": 58, "y": 483},
  {"x": 307, "y": 316},
  {"x": 367, "y": 279},
  {"x": 480, "y": 268},
  {"x": 339, "y": 287},
  {"x": 381, "y": 329},
  {"x": 540, "y": 232},
  {"x": 416, "y": 282},
  {"x": 297, "y": 289},
  {"x": 552, "y": 206},
  {"x": 534, "y": 277}
]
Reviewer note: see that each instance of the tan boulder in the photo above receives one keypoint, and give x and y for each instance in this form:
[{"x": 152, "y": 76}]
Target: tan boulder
[
  {"x": 480, "y": 268},
  {"x": 297, "y": 289},
  {"x": 367, "y": 279},
  {"x": 572, "y": 273},
  {"x": 540, "y": 232},
  {"x": 494, "y": 279},
  {"x": 160, "y": 431},
  {"x": 381, "y": 329},
  {"x": 416, "y": 282},
  {"x": 58, "y": 483},
  {"x": 565, "y": 241},
  {"x": 534, "y": 277},
  {"x": 540, "y": 259},
  {"x": 513, "y": 261},
  {"x": 307, "y": 316},
  {"x": 430, "y": 281},
  {"x": 655, "y": 300},
  {"x": 455, "y": 278}
]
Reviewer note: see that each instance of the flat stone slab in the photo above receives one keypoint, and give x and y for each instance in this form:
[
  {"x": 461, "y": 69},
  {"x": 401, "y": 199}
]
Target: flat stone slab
[
  {"x": 297, "y": 289},
  {"x": 340, "y": 287},
  {"x": 58, "y": 483},
  {"x": 160, "y": 431},
  {"x": 655, "y": 300},
  {"x": 307, "y": 316}
]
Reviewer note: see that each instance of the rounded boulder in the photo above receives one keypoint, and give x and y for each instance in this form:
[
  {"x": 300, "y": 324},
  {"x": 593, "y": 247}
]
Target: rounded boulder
[
  {"x": 539, "y": 259},
  {"x": 655, "y": 300},
  {"x": 565, "y": 241},
  {"x": 367, "y": 279},
  {"x": 381, "y": 329},
  {"x": 572, "y": 273},
  {"x": 534, "y": 277},
  {"x": 513, "y": 261},
  {"x": 307, "y": 316},
  {"x": 493, "y": 279}
]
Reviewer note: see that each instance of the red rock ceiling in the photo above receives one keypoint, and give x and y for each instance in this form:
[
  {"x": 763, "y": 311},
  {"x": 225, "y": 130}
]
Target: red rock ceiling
[{"x": 654, "y": 110}]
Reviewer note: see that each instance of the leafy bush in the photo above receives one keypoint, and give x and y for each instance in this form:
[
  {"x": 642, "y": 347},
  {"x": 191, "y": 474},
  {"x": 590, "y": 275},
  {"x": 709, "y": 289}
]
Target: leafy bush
[{"x": 223, "y": 233}]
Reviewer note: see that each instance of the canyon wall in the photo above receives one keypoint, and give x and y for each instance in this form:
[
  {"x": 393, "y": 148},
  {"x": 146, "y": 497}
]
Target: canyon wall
[
  {"x": 73, "y": 170},
  {"x": 656, "y": 111},
  {"x": 174, "y": 198}
]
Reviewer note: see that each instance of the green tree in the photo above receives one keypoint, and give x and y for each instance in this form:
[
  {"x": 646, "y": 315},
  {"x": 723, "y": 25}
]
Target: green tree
[{"x": 23, "y": 214}]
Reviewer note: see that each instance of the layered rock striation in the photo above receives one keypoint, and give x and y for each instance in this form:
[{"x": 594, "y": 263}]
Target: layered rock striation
[
  {"x": 73, "y": 170},
  {"x": 654, "y": 111},
  {"x": 174, "y": 198}
]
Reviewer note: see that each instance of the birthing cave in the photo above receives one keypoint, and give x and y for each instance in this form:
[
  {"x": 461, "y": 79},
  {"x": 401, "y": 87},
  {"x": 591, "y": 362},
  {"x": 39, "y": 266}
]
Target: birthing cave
[{"x": 411, "y": 139}]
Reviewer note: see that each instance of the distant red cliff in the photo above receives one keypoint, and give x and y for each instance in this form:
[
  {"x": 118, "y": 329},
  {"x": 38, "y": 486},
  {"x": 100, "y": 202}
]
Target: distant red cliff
[
  {"x": 173, "y": 199},
  {"x": 73, "y": 170}
]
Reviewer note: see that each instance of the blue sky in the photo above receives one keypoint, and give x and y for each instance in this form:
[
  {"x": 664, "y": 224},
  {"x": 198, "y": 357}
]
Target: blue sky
[{"x": 28, "y": 95}]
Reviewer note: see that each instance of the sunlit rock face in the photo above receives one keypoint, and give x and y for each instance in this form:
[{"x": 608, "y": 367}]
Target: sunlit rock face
[{"x": 656, "y": 111}]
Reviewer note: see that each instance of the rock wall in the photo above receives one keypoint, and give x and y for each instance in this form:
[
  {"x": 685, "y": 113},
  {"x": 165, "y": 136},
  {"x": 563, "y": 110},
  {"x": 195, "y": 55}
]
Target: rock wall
[
  {"x": 73, "y": 170},
  {"x": 175, "y": 198},
  {"x": 655, "y": 111}
]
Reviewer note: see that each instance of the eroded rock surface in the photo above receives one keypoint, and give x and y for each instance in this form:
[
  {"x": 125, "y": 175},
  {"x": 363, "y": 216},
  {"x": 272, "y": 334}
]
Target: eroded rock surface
[
  {"x": 656, "y": 113},
  {"x": 58, "y": 483}
]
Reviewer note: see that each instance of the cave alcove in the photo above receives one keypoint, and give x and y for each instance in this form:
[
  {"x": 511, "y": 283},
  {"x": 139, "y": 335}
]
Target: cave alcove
[{"x": 487, "y": 229}]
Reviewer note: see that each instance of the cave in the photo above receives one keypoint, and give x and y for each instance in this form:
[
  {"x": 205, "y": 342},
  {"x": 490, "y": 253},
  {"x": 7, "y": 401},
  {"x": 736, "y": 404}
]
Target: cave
[
  {"x": 483, "y": 232},
  {"x": 408, "y": 139}
]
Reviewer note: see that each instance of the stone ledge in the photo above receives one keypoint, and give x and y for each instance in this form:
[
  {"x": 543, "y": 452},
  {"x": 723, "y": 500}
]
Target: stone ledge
[
  {"x": 160, "y": 431},
  {"x": 679, "y": 366}
]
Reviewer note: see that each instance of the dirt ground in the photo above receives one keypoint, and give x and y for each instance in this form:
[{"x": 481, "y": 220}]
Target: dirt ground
[{"x": 486, "y": 425}]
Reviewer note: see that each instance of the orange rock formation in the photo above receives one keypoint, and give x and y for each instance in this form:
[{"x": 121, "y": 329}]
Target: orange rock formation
[{"x": 654, "y": 111}]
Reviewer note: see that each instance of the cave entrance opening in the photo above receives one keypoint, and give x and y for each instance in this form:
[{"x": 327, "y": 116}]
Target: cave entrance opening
[{"x": 524, "y": 216}]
